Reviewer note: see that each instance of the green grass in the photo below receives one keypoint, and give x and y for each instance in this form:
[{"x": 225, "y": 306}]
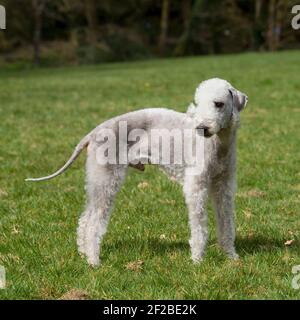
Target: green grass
[{"x": 44, "y": 113}]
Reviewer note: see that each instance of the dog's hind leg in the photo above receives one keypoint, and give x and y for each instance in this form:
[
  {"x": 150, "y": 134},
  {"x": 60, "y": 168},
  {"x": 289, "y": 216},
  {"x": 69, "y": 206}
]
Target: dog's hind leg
[{"x": 103, "y": 182}]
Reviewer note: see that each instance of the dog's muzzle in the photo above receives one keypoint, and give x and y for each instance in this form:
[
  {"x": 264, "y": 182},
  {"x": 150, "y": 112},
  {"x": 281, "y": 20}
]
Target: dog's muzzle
[{"x": 205, "y": 130}]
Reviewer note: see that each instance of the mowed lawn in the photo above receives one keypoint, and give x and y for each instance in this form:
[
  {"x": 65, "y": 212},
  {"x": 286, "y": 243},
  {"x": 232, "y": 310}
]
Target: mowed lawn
[{"x": 145, "y": 254}]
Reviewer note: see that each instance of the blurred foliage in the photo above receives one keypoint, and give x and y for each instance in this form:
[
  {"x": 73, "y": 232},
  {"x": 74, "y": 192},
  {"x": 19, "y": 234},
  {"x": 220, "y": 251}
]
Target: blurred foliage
[{"x": 93, "y": 31}]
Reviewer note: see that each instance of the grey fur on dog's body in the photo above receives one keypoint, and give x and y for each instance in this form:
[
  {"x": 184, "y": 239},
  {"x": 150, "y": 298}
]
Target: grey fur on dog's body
[{"x": 217, "y": 178}]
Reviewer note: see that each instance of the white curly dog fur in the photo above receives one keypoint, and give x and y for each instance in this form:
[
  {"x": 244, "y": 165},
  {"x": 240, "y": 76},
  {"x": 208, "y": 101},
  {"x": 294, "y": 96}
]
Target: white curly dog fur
[{"x": 215, "y": 110}]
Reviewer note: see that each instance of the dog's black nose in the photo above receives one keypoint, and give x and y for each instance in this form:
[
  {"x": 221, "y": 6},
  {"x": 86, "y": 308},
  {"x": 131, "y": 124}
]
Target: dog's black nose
[
  {"x": 205, "y": 131},
  {"x": 204, "y": 128}
]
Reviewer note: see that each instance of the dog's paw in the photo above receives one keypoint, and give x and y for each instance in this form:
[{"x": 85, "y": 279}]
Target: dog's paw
[
  {"x": 81, "y": 250},
  {"x": 197, "y": 261},
  {"x": 197, "y": 258},
  {"x": 229, "y": 251},
  {"x": 94, "y": 262},
  {"x": 233, "y": 256}
]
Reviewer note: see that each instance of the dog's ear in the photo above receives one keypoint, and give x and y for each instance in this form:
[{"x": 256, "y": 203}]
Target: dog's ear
[{"x": 239, "y": 99}]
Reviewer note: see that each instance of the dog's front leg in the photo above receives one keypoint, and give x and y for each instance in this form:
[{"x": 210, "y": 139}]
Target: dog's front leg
[
  {"x": 223, "y": 193},
  {"x": 196, "y": 198}
]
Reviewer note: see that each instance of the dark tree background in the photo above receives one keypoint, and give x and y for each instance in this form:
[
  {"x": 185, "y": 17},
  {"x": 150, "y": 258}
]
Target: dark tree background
[{"x": 93, "y": 31}]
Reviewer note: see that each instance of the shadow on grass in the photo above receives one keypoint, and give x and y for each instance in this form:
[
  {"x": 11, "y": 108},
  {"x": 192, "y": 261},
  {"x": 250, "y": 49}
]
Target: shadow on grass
[
  {"x": 152, "y": 246},
  {"x": 262, "y": 243}
]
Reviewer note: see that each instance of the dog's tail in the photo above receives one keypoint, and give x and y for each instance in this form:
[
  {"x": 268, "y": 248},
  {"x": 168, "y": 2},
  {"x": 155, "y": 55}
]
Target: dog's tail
[{"x": 81, "y": 145}]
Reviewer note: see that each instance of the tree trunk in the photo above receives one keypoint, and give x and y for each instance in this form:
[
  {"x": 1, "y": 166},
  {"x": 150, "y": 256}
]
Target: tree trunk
[
  {"x": 164, "y": 22},
  {"x": 280, "y": 11},
  {"x": 187, "y": 16},
  {"x": 258, "y": 5},
  {"x": 257, "y": 26},
  {"x": 277, "y": 8},
  {"x": 271, "y": 25},
  {"x": 91, "y": 16},
  {"x": 186, "y": 13},
  {"x": 38, "y": 8}
]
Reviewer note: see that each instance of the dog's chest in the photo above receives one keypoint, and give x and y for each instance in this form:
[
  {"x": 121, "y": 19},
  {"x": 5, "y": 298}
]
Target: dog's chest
[{"x": 218, "y": 159}]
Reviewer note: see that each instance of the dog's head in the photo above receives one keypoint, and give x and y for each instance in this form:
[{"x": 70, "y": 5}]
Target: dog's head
[{"x": 216, "y": 106}]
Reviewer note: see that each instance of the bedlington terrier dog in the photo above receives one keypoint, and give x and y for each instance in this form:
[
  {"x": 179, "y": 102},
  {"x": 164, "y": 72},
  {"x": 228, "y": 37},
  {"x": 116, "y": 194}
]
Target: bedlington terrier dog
[{"x": 213, "y": 116}]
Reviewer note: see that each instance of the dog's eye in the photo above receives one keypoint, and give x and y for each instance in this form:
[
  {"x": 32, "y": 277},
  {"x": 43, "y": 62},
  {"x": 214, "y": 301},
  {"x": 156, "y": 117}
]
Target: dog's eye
[{"x": 219, "y": 105}]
